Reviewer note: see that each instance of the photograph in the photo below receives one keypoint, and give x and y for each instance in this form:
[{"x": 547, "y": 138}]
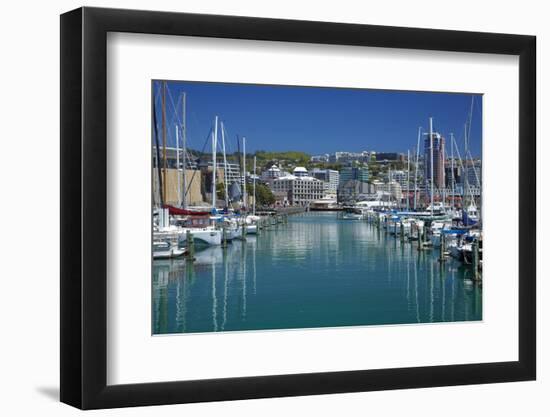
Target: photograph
[{"x": 298, "y": 207}]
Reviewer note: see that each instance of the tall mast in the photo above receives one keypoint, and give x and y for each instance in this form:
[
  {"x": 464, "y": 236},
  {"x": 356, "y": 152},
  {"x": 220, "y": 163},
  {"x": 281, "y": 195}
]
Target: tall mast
[
  {"x": 214, "y": 168},
  {"x": 465, "y": 184},
  {"x": 441, "y": 158},
  {"x": 416, "y": 164},
  {"x": 184, "y": 150},
  {"x": 408, "y": 175},
  {"x": 164, "y": 137},
  {"x": 157, "y": 155},
  {"x": 178, "y": 165},
  {"x": 244, "y": 173},
  {"x": 453, "y": 170},
  {"x": 431, "y": 166},
  {"x": 254, "y": 188},
  {"x": 224, "y": 167}
]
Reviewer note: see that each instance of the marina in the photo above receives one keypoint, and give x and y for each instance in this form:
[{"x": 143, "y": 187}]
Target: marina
[
  {"x": 257, "y": 241},
  {"x": 315, "y": 270}
]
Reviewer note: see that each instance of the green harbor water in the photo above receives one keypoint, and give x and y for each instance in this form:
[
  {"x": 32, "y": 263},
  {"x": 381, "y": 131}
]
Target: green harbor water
[{"x": 315, "y": 271}]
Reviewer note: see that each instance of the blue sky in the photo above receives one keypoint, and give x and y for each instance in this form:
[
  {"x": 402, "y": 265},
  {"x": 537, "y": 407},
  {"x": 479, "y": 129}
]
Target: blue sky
[{"x": 317, "y": 120}]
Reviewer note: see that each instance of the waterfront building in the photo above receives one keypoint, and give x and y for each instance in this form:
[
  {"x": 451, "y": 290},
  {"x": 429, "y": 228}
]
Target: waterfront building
[
  {"x": 281, "y": 198},
  {"x": 174, "y": 196},
  {"x": 300, "y": 172},
  {"x": 359, "y": 173},
  {"x": 449, "y": 173},
  {"x": 392, "y": 188},
  {"x": 300, "y": 189},
  {"x": 330, "y": 177},
  {"x": 272, "y": 173},
  {"x": 352, "y": 190},
  {"x": 438, "y": 160},
  {"x": 399, "y": 177}
]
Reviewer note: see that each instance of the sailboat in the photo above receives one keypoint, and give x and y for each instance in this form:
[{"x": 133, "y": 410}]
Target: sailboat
[
  {"x": 252, "y": 219},
  {"x": 172, "y": 224}
]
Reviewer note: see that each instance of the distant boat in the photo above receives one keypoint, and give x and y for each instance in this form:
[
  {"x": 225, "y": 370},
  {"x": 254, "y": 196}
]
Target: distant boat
[
  {"x": 163, "y": 250},
  {"x": 353, "y": 213},
  {"x": 251, "y": 224},
  {"x": 470, "y": 216}
]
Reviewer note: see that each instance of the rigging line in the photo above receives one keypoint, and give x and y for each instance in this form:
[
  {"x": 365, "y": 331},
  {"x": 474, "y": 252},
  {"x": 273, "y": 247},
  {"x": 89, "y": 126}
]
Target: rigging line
[
  {"x": 180, "y": 123},
  {"x": 195, "y": 171},
  {"x": 464, "y": 171},
  {"x": 474, "y": 168},
  {"x": 470, "y": 121},
  {"x": 228, "y": 149}
]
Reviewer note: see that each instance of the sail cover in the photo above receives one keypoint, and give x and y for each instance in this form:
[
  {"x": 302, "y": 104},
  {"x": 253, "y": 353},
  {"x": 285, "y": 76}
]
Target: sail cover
[{"x": 175, "y": 211}]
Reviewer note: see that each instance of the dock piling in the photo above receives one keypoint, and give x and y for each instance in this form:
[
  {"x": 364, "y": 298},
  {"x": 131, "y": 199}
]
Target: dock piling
[
  {"x": 475, "y": 260},
  {"x": 190, "y": 244}
]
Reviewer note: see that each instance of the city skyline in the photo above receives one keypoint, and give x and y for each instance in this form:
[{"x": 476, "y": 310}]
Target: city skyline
[{"x": 307, "y": 119}]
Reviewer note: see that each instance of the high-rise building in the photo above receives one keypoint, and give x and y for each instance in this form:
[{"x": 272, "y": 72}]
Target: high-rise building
[{"x": 438, "y": 160}]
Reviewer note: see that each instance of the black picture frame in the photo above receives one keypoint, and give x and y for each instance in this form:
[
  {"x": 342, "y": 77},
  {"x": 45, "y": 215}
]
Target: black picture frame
[{"x": 84, "y": 207}]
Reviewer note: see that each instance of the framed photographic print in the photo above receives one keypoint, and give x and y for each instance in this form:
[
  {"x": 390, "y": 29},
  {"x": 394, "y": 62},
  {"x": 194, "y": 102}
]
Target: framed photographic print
[{"x": 257, "y": 208}]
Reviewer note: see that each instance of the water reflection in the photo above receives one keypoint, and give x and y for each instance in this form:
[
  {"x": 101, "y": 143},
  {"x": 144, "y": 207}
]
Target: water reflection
[{"x": 315, "y": 271}]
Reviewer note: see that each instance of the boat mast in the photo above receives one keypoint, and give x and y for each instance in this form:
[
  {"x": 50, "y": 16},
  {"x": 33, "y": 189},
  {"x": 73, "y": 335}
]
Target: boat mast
[
  {"x": 443, "y": 187},
  {"x": 431, "y": 166},
  {"x": 465, "y": 184},
  {"x": 408, "y": 175},
  {"x": 453, "y": 170},
  {"x": 184, "y": 151},
  {"x": 224, "y": 167},
  {"x": 157, "y": 154},
  {"x": 164, "y": 138},
  {"x": 178, "y": 165},
  {"x": 416, "y": 165},
  {"x": 244, "y": 173},
  {"x": 214, "y": 168},
  {"x": 254, "y": 188}
]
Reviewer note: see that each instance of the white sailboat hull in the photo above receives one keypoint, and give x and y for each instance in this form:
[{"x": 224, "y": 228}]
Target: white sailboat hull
[{"x": 204, "y": 236}]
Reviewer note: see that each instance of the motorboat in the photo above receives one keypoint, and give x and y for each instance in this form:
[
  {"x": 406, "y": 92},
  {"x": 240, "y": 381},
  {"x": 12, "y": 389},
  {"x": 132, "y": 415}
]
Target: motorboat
[{"x": 163, "y": 249}]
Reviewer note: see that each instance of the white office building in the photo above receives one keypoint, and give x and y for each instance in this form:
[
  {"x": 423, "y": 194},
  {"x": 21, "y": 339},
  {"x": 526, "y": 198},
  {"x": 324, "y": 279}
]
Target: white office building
[{"x": 301, "y": 189}]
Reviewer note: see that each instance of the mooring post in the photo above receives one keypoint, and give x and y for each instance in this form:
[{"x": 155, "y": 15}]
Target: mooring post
[
  {"x": 224, "y": 237},
  {"x": 244, "y": 230},
  {"x": 402, "y": 231},
  {"x": 422, "y": 238},
  {"x": 442, "y": 247},
  {"x": 475, "y": 259},
  {"x": 190, "y": 244}
]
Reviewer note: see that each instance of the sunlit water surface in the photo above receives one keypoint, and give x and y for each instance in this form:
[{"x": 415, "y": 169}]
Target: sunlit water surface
[{"x": 315, "y": 271}]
